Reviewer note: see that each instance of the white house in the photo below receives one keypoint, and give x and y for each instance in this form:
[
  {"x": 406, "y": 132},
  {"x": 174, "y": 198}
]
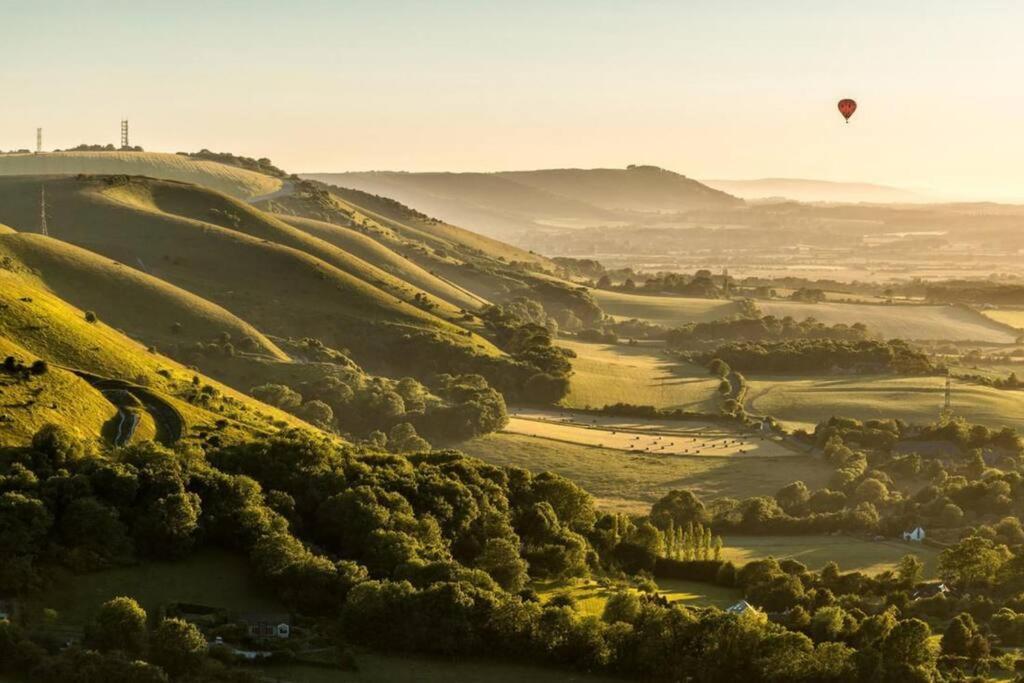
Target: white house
[
  {"x": 915, "y": 535},
  {"x": 741, "y": 607}
]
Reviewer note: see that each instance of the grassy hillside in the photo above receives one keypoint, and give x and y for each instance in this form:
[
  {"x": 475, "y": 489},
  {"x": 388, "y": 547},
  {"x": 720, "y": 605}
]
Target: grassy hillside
[
  {"x": 48, "y": 328},
  {"x": 231, "y": 180},
  {"x": 98, "y": 284},
  {"x": 904, "y": 322},
  {"x": 610, "y": 373},
  {"x": 372, "y": 251},
  {"x": 280, "y": 289},
  {"x": 58, "y": 397},
  {"x": 487, "y": 268},
  {"x": 670, "y": 311},
  {"x": 806, "y": 401}
]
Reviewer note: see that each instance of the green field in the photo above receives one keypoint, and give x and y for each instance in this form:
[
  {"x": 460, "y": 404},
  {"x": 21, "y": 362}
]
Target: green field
[
  {"x": 210, "y": 577},
  {"x": 631, "y": 482},
  {"x": 817, "y": 551},
  {"x": 803, "y": 402},
  {"x": 670, "y": 311},
  {"x": 591, "y": 597},
  {"x": 231, "y": 180},
  {"x": 614, "y": 373},
  {"x": 1008, "y": 316},
  {"x": 898, "y": 321}
]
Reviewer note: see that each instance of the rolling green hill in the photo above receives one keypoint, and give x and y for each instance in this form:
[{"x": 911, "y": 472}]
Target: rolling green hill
[
  {"x": 230, "y": 180},
  {"x": 371, "y": 251},
  {"x": 58, "y": 397},
  {"x": 36, "y": 324},
  {"x": 280, "y": 289},
  {"x": 150, "y": 312}
]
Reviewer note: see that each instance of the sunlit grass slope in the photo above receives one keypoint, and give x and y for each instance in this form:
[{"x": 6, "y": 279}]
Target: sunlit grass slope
[
  {"x": 57, "y": 397},
  {"x": 202, "y": 204},
  {"x": 281, "y": 290},
  {"x": 237, "y": 182},
  {"x": 670, "y": 311},
  {"x": 617, "y": 373},
  {"x": 48, "y": 328},
  {"x": 128, "y": 299},
  {"x": 375, "y": 252},
  {"x": 806, "y": 401}
]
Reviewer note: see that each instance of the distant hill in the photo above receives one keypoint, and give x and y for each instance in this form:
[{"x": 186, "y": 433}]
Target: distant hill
[
  {"x": 507, "y": 204},
  {"x": 801, "y": 190}
]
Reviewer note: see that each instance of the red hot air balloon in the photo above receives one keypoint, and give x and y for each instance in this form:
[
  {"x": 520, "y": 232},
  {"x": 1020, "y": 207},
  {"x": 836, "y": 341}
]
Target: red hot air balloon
[{"x": 846, "y": 108}]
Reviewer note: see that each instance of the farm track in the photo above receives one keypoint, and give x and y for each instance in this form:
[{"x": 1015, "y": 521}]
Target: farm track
[{"x": 170, "y": 425}]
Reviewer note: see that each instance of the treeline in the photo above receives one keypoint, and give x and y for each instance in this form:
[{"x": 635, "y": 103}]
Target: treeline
[
  {"x": 432, "y": 553},
  {"x": 519, "y": 328},
  {"x": 262, "y": 165},
  {"x": 811, "y": 356},
  {"x": 766, "y": 328},
  {"x": 975, "y": 292}
]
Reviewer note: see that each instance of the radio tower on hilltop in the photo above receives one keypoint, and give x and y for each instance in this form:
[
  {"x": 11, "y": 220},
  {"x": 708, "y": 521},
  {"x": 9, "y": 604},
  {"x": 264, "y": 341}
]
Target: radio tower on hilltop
[
  {"x": 39, "y": 140},
  {"x": 124, "y": 134}
]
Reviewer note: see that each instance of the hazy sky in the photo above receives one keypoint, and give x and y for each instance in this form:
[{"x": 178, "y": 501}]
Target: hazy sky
[{"x": 710, "y": 89}]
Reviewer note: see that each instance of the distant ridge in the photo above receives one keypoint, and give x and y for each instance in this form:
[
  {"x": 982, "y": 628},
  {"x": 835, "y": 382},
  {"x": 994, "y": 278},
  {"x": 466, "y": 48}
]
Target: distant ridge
[
  {"x": 508, "y": 203},
  {"x": 807, "y": 190}
]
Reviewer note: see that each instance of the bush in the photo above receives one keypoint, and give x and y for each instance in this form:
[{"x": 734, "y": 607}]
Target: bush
[{"x": 90, "y": 317}]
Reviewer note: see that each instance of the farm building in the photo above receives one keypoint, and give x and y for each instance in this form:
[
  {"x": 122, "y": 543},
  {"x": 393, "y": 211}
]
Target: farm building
[
  {"x": 267, "y": 625},
  {"x": 914, "y": 535},
  {"x": 929, "y": 590}
]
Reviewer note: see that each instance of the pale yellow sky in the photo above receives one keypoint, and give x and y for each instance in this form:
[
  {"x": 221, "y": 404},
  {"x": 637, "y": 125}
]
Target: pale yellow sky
[{"x": 709, "y": 89}]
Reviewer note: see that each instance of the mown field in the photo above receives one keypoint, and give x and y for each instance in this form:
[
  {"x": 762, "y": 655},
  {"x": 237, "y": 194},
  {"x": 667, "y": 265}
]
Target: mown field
[
  {"x": 803, "y": 401},
  {"x": 670, "y": 311},
  {"x": 898, "y": 321},
  {"x": 618, "y": 373},
  {"x": 697, "y": 439},
  {"x": 817, "y": 551},
  {"x": 631, "y": 482}
]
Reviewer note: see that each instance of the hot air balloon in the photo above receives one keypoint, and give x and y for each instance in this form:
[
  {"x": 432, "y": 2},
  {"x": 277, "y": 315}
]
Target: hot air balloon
[{"x": 846, "y": 108}]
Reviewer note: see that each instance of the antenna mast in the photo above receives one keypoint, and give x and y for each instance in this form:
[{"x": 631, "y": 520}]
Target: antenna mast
[
  {"x": 124, "y": 134},
  {"x": 39, "y": 140},
  {"x": 42, "y": 211}
]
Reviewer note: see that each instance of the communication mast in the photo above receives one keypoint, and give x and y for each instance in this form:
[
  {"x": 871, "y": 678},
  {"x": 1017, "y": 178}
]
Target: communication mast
[
  {"x": 124, "y": 134},
  {"x": 39, "y": 140},
  {"x": 42, "y": 211}
]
